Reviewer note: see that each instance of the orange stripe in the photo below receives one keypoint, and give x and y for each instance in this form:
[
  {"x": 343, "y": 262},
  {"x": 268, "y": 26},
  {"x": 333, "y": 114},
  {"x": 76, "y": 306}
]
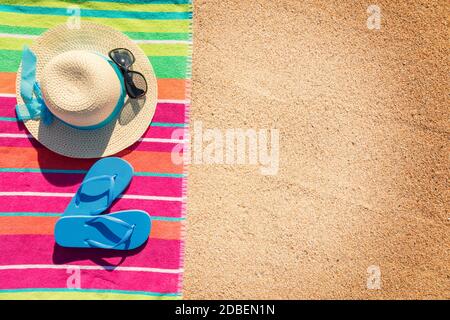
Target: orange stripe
[
  {"x": 27, "y": 225},
  {"x": 142, "y": 161},
  {"x": 7, "y": 82},
  {"x": 172, "y": 89},
  {"x": 45, "y": 225},
  {"x": 166, "y": 230}
]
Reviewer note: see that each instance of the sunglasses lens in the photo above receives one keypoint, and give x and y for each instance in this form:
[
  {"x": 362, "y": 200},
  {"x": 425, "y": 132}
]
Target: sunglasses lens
[
  {"x": 122, "y": 57},
  {"x": 136, "y": 84}
]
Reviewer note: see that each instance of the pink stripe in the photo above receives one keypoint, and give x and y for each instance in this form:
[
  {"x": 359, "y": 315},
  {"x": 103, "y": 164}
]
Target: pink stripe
[
  {"x": 169, "y": 112},
  {"x": 58, "y": 204},
  {"x": 165, "y": 112},
  {"x": 152, "y": 132},
  {"x": 41, "y": 249},
  {"x": 89, "y": 279},
  {"x": 138, "y": 146},
  {"x": 58, "y": 182},
  {"x": 7, "y": 104},
  {"x": 164, "y": 132}
]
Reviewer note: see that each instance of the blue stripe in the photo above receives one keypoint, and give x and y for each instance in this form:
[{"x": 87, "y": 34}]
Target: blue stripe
[
  {"x": 153, "y": 124},
  {"x": 147, "y": 1},
  {"x": 29, "y": 214},
  {"x": 167, "y": 124},
  {"x": 87, "y": 290},
  {"x": 50, "y": 214},
  {"x": 8, "y": 119},
  {"x": 143, "y": 174},
  {"x": 99, "y": 13}
]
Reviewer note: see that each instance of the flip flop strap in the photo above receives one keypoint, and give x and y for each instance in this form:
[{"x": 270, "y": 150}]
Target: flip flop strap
[
  {"x": 109, "y": 192},
  {"x": 125, "y": 238}
]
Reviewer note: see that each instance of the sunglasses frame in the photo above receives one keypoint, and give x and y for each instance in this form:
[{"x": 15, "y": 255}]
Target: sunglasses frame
[{"x": 126, "y": 70}]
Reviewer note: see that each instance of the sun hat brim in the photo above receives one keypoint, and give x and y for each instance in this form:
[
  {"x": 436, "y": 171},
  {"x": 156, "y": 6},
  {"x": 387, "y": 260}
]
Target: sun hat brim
[{"x": 135, "y": 116}]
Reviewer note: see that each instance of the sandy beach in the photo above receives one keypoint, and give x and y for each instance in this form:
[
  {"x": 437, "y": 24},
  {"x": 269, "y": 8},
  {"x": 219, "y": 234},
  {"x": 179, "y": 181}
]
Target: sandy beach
[{"x": 363, "y": 129}]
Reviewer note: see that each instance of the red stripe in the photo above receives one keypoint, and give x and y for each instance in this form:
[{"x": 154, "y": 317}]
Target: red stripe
[
  {"x": 58, "y": 182},
  {"x": 89, "y": 279},
  {"x": 41, "y": 249},
  {"x": 152, "y": 132},
  {"x": 138, "y": 146},
  {"x": 58, "y": 204},
  {"x": 165, "y": 112}
]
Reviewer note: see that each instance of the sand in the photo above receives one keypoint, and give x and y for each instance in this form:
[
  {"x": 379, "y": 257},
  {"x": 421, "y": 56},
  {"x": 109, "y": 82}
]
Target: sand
[{"x": 363, "y": 121}]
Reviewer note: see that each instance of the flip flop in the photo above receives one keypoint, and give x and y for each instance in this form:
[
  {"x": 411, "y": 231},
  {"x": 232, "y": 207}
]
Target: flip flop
[
  {"x": 104, "y": 182},
  {"x": 122, "y": 230}
]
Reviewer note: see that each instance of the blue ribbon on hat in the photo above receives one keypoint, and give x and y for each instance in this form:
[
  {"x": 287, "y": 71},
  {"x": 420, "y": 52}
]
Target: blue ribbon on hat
[
  {"x": 35, "y": 107},
  {"x": 30, "y": 91}
]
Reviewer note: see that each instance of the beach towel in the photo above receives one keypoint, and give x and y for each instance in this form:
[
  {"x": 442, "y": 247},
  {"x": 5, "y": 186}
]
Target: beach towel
[{"x": 36, "y": 184}]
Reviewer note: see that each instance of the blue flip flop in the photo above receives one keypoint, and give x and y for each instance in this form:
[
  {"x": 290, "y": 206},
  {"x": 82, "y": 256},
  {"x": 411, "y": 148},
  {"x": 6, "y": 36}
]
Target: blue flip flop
[
  {"x": 104, "y": 182},
  {"x": 122, "y": 230}
]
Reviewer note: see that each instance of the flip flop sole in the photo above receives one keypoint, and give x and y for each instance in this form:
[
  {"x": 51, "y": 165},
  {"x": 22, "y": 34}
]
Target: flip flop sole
[
  {"x": 112, "y": 166},
  {"x": 82, "y": 230}
]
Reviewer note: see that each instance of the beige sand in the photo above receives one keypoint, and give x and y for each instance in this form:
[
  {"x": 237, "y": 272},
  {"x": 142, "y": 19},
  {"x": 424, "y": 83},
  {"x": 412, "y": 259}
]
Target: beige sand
[{"x": 363, "y": 120}]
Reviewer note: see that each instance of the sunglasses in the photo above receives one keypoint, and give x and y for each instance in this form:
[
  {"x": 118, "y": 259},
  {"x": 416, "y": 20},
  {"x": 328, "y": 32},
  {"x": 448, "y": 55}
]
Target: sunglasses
[{"x": 135, "y": 83}]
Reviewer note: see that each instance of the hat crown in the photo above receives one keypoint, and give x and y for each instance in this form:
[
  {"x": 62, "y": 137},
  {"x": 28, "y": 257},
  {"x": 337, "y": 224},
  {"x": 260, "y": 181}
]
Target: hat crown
[{"x": 80, "y": 87}]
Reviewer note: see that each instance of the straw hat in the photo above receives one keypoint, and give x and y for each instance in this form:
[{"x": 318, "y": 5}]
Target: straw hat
[{"x": 81, "y": 88}]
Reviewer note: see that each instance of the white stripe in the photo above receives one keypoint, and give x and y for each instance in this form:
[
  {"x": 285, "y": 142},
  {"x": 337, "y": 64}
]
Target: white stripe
[
  {"x": 12, "y": 95},
  {"x": 32, "y": 36},
  {"x": 162, "y": 140},
  {"x": 174, "y": 101},
  {"x": 7, "y": 95},
  {"x": 70, "y": 195},
  {"x": 156, "y": 140},
  {"x": 66, "y": 266},
  {"x": 15, "y": 135},
  {"x": 162, "y": 41},
  {"x": 22, "y": 36}
]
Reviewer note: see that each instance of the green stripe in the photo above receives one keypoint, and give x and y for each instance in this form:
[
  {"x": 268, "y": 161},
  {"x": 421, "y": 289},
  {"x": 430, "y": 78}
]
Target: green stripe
[
  {"x": 165, "y": 67},
  {"x": 158, "y": 294},
  {"x": 8, "y": 119},
  {"x": 21, "y": 30},
  {"x": 113, "y": 6},
  {"x": 158, "y": 35},
  {"x": 169, "y": 67},
  {"x": 111, "y": 14},
  {"x": 150, "y": 49},
  {"x": 133, "y": 35},
  {"x": 10, "y": 60},
  {"x": 135, "y": 25},
  {"x": 50, "y": 214},
  {"x": 143, "y": 174}
]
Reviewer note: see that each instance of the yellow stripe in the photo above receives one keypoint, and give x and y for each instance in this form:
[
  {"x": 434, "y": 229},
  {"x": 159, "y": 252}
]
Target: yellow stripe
[
  {"x": 135, "y": 25},
  {"x": 112, "y": 6},
  {"x": 80, "y": 296},
  {"x": 14, "y": 43},
  {"x": 150, "y": 49}
]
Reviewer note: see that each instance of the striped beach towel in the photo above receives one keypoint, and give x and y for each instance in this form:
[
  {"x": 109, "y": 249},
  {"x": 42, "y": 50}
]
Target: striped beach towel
[{"x": 37, "y": 184}]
